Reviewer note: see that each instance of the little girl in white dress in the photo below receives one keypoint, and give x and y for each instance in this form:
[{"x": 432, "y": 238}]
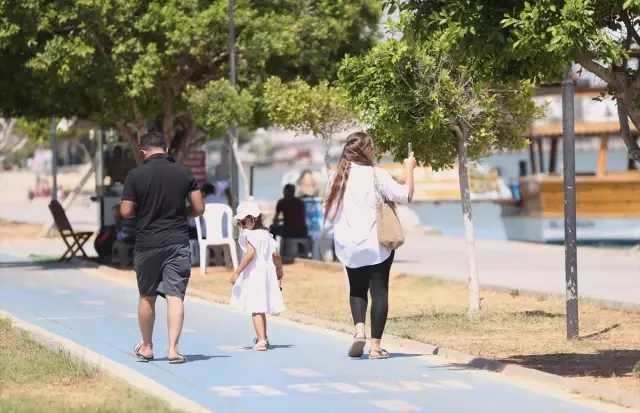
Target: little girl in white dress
[{"x": 256, "y": 281}]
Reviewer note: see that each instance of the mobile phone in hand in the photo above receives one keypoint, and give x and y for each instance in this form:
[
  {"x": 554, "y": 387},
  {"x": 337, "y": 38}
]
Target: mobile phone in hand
[{"x": 410, "y": 150}]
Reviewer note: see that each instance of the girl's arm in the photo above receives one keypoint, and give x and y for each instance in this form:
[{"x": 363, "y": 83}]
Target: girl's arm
[
  {"x": 277, "y": 261},
  {"x": 248, "y": 257}
]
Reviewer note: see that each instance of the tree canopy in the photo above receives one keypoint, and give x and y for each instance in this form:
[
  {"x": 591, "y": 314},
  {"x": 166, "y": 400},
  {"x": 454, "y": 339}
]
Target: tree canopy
[
  {"x": 320, "y": 110},
  {"x": 412, "y": 92},
  {"x": 122, "y": 63},
  {"x": 537, "y": 39}
]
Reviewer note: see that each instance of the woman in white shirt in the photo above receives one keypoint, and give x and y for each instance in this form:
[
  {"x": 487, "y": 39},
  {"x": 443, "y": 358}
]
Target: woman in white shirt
[{"x": 350, "y": 204}]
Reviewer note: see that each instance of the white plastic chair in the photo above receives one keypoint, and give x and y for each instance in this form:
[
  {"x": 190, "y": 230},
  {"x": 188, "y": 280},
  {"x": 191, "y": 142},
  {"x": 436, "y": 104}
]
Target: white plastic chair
[{"x": 213, "y": 217}]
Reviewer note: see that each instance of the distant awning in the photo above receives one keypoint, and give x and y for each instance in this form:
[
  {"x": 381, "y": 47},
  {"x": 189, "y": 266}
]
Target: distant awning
[{"x": 582, "y": 130}]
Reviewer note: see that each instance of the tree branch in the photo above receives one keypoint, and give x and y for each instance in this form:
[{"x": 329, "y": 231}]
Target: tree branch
[
  {"x": 631, "y": 31},
  {"x": 141, "y": 124},
  {"x": 167, "y": 121},
  {"x": 186, "y": 143},
  {"x": 133, "y": 142},
  {"x": 6, "y": 132},
  {"x": 599, "y": 70}
]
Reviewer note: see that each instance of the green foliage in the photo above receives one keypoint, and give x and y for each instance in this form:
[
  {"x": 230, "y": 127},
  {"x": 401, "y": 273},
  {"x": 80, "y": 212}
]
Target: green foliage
[
  {"x": 218, "y": 105},
  {"x": 127, "y": 61},
  {"x": 410, "y": 92},
  {"x": 318, "y": 110},
  {"x": 535, "y": 39},
  {"x": 39, "y": 130}
]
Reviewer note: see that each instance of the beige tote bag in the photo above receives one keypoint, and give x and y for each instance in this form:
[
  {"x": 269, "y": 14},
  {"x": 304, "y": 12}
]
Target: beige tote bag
[{"x": 390, "y": 232}]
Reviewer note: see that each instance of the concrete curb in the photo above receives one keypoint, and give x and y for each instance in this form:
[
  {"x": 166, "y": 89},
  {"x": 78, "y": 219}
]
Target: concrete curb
[
  {"x": 607, "y": 304},
  {"x": 105, "y": 365},
  {"x": 597, "y": 391}
]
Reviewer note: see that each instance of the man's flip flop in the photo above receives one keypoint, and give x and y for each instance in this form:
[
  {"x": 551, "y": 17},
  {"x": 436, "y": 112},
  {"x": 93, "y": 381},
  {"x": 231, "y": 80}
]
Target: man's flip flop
[
  {"x": 136, "y": 351},
  {"x": 180, "y": 360},
  {"x": 356, "y": 350}
]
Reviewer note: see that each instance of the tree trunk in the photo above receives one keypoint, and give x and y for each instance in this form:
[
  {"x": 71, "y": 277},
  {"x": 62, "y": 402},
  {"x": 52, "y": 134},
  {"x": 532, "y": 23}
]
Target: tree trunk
[
  {"x": 133, "y": 142},
  {"x": 6, "y": 132},
  {"x": 241, "y": 170},
  {"x": 19, "y": 145},
  {"x": 627, "y": 110},
  {"x": 625, "y": 130},
  {"x": 188, "y": 140},
  {"x": 72, "y": 196},
  {"x": 465, "y": 194},
  {"x": 87, "y": 156},
  {"x": 327, "y": 148}
]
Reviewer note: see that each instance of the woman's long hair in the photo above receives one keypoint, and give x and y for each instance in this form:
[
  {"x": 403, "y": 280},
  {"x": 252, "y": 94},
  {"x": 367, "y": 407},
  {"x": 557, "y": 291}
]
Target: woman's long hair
[{"x": 359, "y": 150}]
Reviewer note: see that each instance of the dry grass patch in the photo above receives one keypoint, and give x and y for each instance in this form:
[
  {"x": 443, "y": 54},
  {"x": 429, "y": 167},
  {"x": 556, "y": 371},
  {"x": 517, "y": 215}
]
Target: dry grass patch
[
  {"x": 520, "y": 329},
  {"x": 34, "y": 379},
  {"x": 12, "y": 230}
]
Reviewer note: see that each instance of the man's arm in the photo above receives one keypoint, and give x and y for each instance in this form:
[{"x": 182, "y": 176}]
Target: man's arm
[
  {"x": 128, "y": 203},
  {"x": 278, "y": 210},
  {"x": 196, "y": 207}
]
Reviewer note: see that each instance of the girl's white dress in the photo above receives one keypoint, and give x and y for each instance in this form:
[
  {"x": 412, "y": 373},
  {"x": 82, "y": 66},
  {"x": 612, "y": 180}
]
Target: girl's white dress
[{"x": 257, "y": 290}]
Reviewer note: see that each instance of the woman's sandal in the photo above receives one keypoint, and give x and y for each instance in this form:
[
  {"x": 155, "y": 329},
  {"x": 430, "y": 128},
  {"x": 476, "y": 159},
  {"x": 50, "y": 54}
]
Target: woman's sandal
[
  {"x": 378, "y": 354},
  {"x": 356, "y": 350},
  {"x": 261, "y": 346},
  {"x": 255, "y": 341},
  {"x": 136, "y": 351}
]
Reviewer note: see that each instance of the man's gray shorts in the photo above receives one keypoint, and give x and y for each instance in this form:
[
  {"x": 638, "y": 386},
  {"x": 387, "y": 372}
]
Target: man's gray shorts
[{"x": 163, "y": 271}]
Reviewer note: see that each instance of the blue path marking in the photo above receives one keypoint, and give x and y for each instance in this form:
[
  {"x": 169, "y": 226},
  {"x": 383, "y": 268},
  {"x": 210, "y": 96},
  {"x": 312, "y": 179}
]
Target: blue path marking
[{"x": 307, "y": 371}]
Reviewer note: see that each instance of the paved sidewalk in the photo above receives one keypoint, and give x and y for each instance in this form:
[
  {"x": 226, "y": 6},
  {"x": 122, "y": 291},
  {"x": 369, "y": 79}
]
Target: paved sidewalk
[
  {"x": 602, "y": 273},
  {"x": 306, "y": 371}
]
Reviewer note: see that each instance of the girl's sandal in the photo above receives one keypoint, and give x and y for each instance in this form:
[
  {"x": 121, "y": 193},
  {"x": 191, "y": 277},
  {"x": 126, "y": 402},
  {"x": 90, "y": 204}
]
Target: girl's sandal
[
  {"x": 378, "y": 354},
  {"x": 356, "y": 350},
  {"x": 260, "y": 346}
]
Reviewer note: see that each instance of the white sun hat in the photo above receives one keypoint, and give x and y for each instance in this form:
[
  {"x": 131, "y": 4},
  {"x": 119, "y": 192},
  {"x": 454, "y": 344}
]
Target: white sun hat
[{"x": 247, "y": 209}]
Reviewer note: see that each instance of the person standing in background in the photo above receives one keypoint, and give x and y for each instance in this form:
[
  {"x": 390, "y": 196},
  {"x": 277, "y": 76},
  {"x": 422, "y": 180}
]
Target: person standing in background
[{"x": 154, "y": 193}]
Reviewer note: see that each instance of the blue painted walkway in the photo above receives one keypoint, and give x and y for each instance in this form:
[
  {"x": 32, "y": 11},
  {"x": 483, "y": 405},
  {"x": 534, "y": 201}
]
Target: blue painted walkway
[{"x": 307, "y": 371}]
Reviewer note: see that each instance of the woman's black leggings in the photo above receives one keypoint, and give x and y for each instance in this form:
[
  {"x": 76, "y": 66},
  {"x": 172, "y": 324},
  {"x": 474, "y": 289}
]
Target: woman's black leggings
[{"x": 376, "y": 278}]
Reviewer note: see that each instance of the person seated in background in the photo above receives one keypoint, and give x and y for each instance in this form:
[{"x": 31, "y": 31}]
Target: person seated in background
[
  {"x": 308, "y": 185},
  {"x": 210, "y": 196},
  {"x": 223, "y": 190},
  {"x": 294, "y": 221},
  {"x": 125, "y": 227},
  {"x": 123, "y": 230}
]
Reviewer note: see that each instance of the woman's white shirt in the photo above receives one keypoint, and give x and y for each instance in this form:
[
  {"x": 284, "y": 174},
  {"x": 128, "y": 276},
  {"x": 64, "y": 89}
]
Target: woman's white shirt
[{"x": 355, "y": 230}]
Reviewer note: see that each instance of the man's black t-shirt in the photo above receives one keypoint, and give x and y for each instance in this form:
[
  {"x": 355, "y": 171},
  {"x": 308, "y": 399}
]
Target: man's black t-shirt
[
  {"x": 294, "y": 218},
  {"x": 159, "y": 188}
]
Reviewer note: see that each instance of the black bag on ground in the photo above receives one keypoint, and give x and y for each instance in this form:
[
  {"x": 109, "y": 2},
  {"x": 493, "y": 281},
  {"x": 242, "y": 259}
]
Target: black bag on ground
[{"x": 104, "y": 241}]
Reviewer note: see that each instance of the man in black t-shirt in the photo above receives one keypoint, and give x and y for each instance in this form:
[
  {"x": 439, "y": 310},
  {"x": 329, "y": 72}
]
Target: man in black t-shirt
[
  {"x": 155, "y": 193},
  {"x": 294, "y": 220}
]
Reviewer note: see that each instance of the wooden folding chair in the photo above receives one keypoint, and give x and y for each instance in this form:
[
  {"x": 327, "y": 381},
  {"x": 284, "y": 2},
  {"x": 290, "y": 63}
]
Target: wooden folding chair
[{"x": 74, "y": 240}]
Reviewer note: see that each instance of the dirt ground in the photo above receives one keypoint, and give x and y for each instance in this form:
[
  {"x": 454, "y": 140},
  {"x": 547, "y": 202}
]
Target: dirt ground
[
  {"x": 34, "y": 380},
  {"x": 11, "y": 230},
  {"x": 525, "y": 330}
]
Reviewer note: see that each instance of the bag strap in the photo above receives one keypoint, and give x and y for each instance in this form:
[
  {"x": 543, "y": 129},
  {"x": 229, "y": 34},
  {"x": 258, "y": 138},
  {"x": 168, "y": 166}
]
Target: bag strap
[{"x": 376, "y": 185}]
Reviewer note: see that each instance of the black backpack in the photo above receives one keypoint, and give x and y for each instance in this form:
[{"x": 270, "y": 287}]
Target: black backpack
[{"x": 104, "y": 241}]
